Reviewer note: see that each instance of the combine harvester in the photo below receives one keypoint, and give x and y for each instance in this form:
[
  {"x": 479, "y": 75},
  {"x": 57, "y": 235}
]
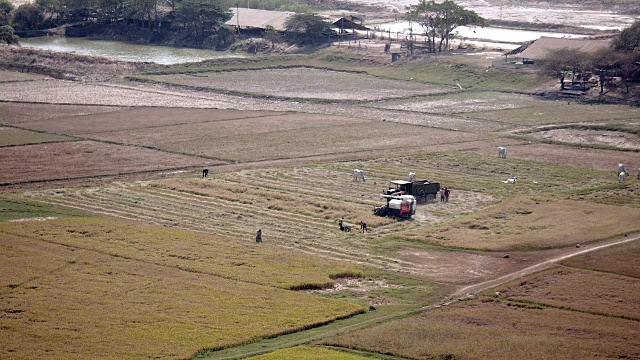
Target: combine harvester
[{"x": 402, "y": 206}]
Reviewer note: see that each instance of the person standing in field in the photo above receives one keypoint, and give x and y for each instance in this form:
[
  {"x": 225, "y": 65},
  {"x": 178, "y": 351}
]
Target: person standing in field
[
  {"x": 259, "y": 236},
  {"x": 441, "y": 195},
  {"x": 446, "y": 193},
  {"x": 363, "y": 226}
]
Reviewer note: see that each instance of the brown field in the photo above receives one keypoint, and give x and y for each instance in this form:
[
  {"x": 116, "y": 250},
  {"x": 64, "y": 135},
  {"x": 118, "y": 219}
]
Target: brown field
[
  {"x": 558, "y": 112},
  {"x": 577, "y": 289},
  {"x": 616, "y": 139},
  {"x": 302, "y": 83},
  {"x": 499, "y": 330},
  {"x": 68, "y": 296},
  {"x": 11, "y": 76},
  {"x": 533, "y": 224},
  {"x": 12, "y": 136},
  {"x": 14, "y": 113},
  {"x": 623, "y": 260},
  {"x": 83, "y": 159},
  {"x": 141, "y": 118},
  {"x": 285, "y": 136}
]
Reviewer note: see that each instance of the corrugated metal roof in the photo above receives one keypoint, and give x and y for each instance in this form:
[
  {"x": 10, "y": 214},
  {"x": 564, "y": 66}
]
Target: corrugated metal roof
[
  {"x": 545, "y": 45},
  {"x": 258, "y": 19}
]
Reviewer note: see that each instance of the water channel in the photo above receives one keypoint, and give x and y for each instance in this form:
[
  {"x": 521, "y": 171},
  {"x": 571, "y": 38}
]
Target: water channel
[{"x": 165, "y": 55}]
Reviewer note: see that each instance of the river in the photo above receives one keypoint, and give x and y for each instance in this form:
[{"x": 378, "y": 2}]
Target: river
[{"x": 165, "y": 55}]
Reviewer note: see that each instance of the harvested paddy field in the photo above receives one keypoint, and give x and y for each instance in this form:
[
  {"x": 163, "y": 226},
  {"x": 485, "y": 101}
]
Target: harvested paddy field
[
  {"x": 615, "y": 139},
  {"x": 309, "y": 352},
  {"x": 536, "y": 223},
  {"x": 492, "y": 329},
  {"x": 578, "y": 289},
  {"x": 461, "y": 103},
  {"x": 45, "y": 162},
  {"x": 559, "y": 112},
  {"x": 10, "y": 136},
  {"x": 104, "y": 289},
  {"x": 15, "y": 113},
  {"x": 303, "y": 83},
  {"x": 622, "y": 260},
  {"x": 128, "y": 119},
  {"x": 584, "y": 157},
  {"x": 285, "y": 136}
]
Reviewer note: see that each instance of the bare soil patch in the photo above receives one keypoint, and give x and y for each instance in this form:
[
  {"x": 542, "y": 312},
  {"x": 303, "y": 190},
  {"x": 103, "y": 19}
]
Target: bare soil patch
[
  {"x": 503, "y": 329},
  {"x": 534, "y": 224},
  {"x": 128, "y": 119},
  {"x": 617, "y": 139},
  {"x": 14, "y": 113},
  {"x": 583, "y": 290},
  {"x": 623, "y": 260},
  {"x": 84, "y": 159},
  {"x": 302, "y": 83},
  {"x": 12, "y": 136}
]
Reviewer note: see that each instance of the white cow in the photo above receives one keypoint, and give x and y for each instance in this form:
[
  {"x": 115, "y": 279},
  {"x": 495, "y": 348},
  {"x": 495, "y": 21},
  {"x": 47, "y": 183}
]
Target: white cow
[
  {"x": 513, "y": 180},
  {"x": 358, "y": 175},
  {"x": 621, "y": 169},
  {"x": 621, "y": 176},
  {"x": 502, "y": 152},
  {"x": 412, "y": 177}
]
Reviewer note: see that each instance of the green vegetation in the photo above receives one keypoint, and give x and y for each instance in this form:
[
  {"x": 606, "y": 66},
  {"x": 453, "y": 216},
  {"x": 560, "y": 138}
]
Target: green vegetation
[
  {"x": 20, "y": 209},
  {"x": 309, "y": 353},
  {"x": 308, "y": 28}
]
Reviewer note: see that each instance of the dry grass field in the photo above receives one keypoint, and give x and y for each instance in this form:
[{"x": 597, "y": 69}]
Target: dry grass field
[
  {"x": 499, "y": 330},
  {"x": 309, "y": 353},
  {"x": 576, "y": 289},
  {"x": 533, "y": 223},
  {"x": 622, "y": 260},
  {"x": 90, "y": 288},
  {"x": 84, "y": 159},
  {"x": 304, "y": 83},
  {"x": 12, "y": 137}
]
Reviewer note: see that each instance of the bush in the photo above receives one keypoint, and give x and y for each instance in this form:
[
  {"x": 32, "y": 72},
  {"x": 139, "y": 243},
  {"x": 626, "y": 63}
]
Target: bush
[{"x": 6, "y": 35}]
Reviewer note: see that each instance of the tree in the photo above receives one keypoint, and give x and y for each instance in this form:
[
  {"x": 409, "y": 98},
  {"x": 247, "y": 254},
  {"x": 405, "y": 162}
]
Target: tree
[
  {"x": 308, "y": 28},
  {"x": 440, "y": 20},
  {"x": 51, "y": 8},
  {"x": 6, "y": 35},
  {"x": 6, "y": 7},
  {"x": 28, "y": 17},
  {"x": 201, "y": 17},
  {"x": 629, "y": 38}
]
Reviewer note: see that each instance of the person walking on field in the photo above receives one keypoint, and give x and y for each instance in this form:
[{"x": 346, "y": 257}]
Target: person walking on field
[
  {"x": 446, "y": 193},
  {"x": 363, "y": 226},
  {"x": 259, "y": 236},
  {"x": 441, "y": 195}
]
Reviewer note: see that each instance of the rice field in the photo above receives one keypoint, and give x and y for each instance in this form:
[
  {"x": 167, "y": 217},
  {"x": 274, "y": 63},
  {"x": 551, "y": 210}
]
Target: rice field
[
  {"x": 577, "y": 289},
  {"x": 12, "y": 76},
  {"x": 15, "y": 113},
  {"x": 486, "y": 329},
  {"x": 622, "y": 260},
  {"x": 98, "y": 288},
  {"x": 309, "y": 353}
]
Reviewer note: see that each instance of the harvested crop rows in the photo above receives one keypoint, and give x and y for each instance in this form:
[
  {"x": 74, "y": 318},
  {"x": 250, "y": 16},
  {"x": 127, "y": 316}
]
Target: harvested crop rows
[{"x": 304, "y": 83}]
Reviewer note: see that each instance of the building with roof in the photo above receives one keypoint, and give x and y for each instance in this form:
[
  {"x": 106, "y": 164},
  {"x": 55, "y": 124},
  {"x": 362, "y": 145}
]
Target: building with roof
[{"x": 544, "y": 46}]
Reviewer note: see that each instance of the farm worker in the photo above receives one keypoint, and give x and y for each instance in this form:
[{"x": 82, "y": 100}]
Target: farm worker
[
  {"x": 446, "y": 193},
  {"x": 638, "y": 173},
  {"x": 363, "y": 226},
  {"x": 441, "y": 195},
  {"x": 340, "y": 224},
  {"x": 259, "y": 236},
  {"x": 205, "y": 172}
]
